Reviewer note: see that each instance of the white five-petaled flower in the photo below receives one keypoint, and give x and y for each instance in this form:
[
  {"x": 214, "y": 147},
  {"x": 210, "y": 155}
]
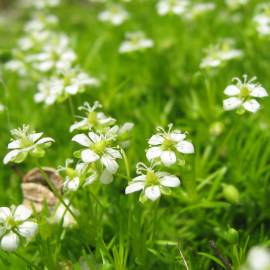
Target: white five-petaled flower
[
  {"x": 26, "y": 142},
  {"x": 242, "y": 95},
  {"x": 172, "y": 6},
  {"x": 99, "y": 150},
  {"x": 152, "y": 183},
  {"x": 93, "y": 118},
  {"x": 115, "y": 14},
  {"x": 165, "y": 146},
  {"x": 135, "y": 41},
  {"x": 220, "y": 54},
  {"x": 14, "y": 225}
]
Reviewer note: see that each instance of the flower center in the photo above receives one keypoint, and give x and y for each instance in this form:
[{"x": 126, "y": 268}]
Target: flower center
[
  {"x": 71, "y": 172},
  {"x": 26, "y": 141},
  {"x": 167, "y": 144},
  {"x": 244, "y": 92},
  {"x": 99, "y": 147},
  {"x": 10, "y": 222},
  {"x": 151, "y": 178}
]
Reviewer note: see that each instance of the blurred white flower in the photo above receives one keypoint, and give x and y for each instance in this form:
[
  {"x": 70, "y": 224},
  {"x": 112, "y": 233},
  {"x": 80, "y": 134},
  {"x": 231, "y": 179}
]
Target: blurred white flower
[
  {"x": 98, "y": 149},
  {"x": 26, "y": 142},
  {"x": 258, "y": 259},
  {"x": 2, "y": 107},
  {"x": 54, "y": 55},
  {"x": 172, "y": 6},
  {"x": 152, "y": 183},
  {"x": 165, "y": 145},
  {"x": 42, "y": 4},
  {"x": 93, "y": 118},
  {"x": 220, "y": 54},
  {"x": 234, "y": 4},
  {"x": 115, "y": 15},
  {"x": 15, "y": 224},
  {"x": 134, "y": 42},
  {"x": 262, "y": 20},
  {"x": 242, "y": 95},
  {"x": 63, "y": 215},
  {"x": 198, "y": 9},
  {"x": 65, "y": 83}
]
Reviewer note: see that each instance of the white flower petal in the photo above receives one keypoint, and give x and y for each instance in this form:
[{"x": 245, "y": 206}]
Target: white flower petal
[
  {"x": 110, "y": 164},
  {"x": 4, "y": 213},
  {"x": 170, "y": 181},
  {"x": 231, "y": 103},
  {"x": 22, "y": 213},
  {"x": 89, "y": 156},
  {"x": 152, "y": 193},
  {"x": 168, "y": 158},
  {"x": 34, "y": 137},
  {"x": 72, "y": 184},
  {"x": 28, "y": 229},
  {"x": 14, "y": 144},
  {"x": 258, "y": 91},
  {"x": 185, "y": 147},
  {"x": 106, "y": 177},
  {"x": 10, "y": 156},
  {"x": 139, "y": 178},
  {"x": 232, "y": 90},
  {"x": 134, "y": 186},
  {"x": 45, "y": 140},
  {"x": 82, "y": 139},
  {"x": 94, "y": 137},
  {"x": 153, "y": 152},
  {"x": 10, "y": 242},
  {"x": 114, "y": 153},
  {"x": 252, "y": 105},
  {"x": 156, "y": 140},
  {"x": 177, "y": 136}
]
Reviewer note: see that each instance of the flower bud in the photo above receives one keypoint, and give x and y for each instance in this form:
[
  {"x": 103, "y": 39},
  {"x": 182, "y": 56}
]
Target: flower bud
[{"x": 231, "y": 193}]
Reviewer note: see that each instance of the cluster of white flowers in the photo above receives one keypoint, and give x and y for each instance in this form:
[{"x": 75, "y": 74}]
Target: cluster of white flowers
[
  {"x": 47, "y": 57},
  {"x": 258, "y": 259},
  {"x": 242, "y": 95},
  {"x": 164, "y": 150},
  {"x": 183, "y": 7},
  {"x": 262, "y": 19},
  {"x": 26, "y": 142},
  {"x": 102, "y": 148},
  {"x": 135, "y": 41},
  {"x": 15, "y": 225},
  {"x": 115, "y": 14},
  {"x": 219, "y": 54}
]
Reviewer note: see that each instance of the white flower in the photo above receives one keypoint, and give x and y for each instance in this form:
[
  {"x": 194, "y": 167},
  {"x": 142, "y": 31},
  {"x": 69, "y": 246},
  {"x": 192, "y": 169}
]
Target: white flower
[
  {"x": 116, "y": 15},
  {"x": 220, "y": 54},
  {"x": 26, "y": 142},
  {"x": 262, "y": 20},
  {"x": 2, "y": 107},
  {"x": 54, "y": 55},
  {"x": 41, "y": 4},
  {"x": 242, "y": 95},
  {"x": 135, "y": 41},
  {"x": 62, "y": 214},
  {"x": 152, "y": 183},
  {"x": 233, "y": 4},
  {"x": 93, "y": 118},
  {"x": 172, "y": 6},
  {"x": 258, "y": 259},
  {"x": 199, "y": 9},
  {"x": 15, "y": 224},
  {"x": 98, "y": 150},
  {"x": 81, "y": 175},
  {"x": 165, "y": 146},
  {"x": 39, "y": 23}
]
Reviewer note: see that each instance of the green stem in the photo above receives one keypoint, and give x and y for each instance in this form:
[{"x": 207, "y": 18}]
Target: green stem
[
  {"x": 26, "y": 261},
  {"x": 56, "y": 192},
  {"x": 71, "y": 107}
]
